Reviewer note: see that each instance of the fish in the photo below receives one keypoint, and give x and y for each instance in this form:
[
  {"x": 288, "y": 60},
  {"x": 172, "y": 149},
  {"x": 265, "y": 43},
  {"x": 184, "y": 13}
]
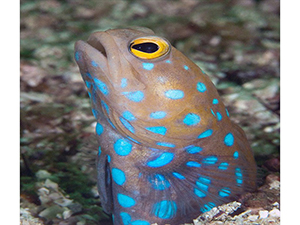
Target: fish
[{"x": 168, "y": 150}]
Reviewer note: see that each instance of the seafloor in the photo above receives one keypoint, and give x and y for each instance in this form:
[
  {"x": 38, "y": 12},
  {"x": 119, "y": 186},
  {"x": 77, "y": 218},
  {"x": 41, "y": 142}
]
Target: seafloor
[{"x": 236, "y": 42}]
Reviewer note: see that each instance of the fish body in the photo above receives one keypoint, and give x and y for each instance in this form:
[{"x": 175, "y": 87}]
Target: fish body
[{"x": 167, "y": 148}]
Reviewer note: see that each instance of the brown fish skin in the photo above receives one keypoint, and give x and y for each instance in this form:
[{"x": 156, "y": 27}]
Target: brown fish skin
[{"x": 167, "y": 148}]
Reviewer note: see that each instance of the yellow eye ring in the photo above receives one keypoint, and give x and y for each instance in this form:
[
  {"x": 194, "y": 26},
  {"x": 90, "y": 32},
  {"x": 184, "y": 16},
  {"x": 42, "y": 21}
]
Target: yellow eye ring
[{"x": 149, "y": 47}]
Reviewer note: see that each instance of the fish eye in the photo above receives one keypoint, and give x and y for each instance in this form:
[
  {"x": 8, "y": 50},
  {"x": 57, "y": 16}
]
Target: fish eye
[{"x": 149, "y": 47}]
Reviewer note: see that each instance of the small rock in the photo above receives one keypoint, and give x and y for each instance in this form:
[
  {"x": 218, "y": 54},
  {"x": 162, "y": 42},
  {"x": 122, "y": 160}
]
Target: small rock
[
  {"x": 215, "y": 40},
  {"x": 95, "y": 192},
  {"x": 51, "y": 212},
  {"x": 219, "y": 213},
  {"x": 42, "y": 174},
  {"x": 243, "y": 214},
  {"x": 43, "y": 195},
  {"x": 51, "y": 184},
  {"x": 67, "y": 214},
  {"x": 274, "y": 213},
  {"x": 62, "y": 201},
  {"x": 54, "y": 196},
  {"x": 31, "y": 75},
  {"x": 43, "y": 191},
  {"x": 253, "y": 217},
  {"x": 267, "y": 92},
  {"x": 263, "y": 214},
  {"x": 275, "y": 185},
  {"x": 75, "y": 207},
  {"x": 271, "y": 178},
  {"x": 27, "y": 219},
  {"x": 276, "y": 204},
  {"x": 85, "y": 13},
  {"x": 255, "y": 84},
  {"x": 81, "y": 223}
]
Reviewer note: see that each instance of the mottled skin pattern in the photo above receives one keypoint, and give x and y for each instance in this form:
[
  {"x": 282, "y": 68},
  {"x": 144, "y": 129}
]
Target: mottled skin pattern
[{"x": 168, "y": 150}]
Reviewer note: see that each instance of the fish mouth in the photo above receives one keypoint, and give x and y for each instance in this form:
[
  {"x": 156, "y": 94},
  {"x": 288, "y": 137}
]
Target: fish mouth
[
  {"x": 104, "y": 43},
  {"x": 100, "y": 49},
  {"x": 95, "y": 42}
]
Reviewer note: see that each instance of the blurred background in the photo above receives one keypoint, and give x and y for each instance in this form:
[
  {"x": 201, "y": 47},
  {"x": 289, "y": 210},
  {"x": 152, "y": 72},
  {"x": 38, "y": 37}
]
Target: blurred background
[{"x": 236, "y": 42}]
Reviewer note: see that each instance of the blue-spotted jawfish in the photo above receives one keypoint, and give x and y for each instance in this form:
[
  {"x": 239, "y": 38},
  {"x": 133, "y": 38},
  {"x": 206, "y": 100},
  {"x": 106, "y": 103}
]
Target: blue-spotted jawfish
[{"x": 167, "y": 148}]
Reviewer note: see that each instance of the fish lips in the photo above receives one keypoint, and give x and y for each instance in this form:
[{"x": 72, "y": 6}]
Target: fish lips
[{"x": 99, "y": 52}]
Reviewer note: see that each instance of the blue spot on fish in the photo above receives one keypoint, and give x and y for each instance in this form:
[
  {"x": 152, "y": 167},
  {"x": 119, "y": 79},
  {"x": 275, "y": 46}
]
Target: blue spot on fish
[
  {"x": 127, "y": 125},
  {"x": 165, "y": 209},
  {"x": 166, "y": 144},
  {"x": 159, "y": 182},
  {"x": 77, "y": 56},
  {"x": 158, "y": 115},
  {"x": 236, "y": 154},
  {"x": 94, "y": 113},
  {"x": 199, "y": 193},
  {"x": 202, "y": 186},
  {"x": 157, "y": 130},
  {"x": 125, "y": 201},
  {"x": 227, "y": 113},
  {"x": 118, "y": 176},
  {"x": 204, "y": 180},
  {"x": 174, "y": 94},
  {"x": 128, "y": 116},
  {"x": 111, "y": 124},
  {"x": 99, "y": 129},
  {"x": 191, "y": 119},
  {"x": 88, "y": 84},
  {"x": 223, "y": 166},
  {"x": 185, "y": 67},
  {"x": 193, "y": 164},
  {"x": 124, "y": 82},
  {"x": 193, "y": 149},
  {"x": 105, "y": 106},
  {"x": 135, "y": 96},
  {"x": 215, "y": 101},
  {"x": 162, "y": 160},
  {"x": 101, "y": 86},
  {"x": 229, "y": 139},
  {"x": 126, "y": 218},
  {"x": 148, "y": 66},
  {"x": 178, "y": 175},
  {"x": 94, "y": 95},
  {"x": 219, "y": 116},
  {"x": 210, "y": 160},
  {"x": 201, "y": 87},
  {"x": 94, "y": 64},
  {"x": 239, "y": 176},
  {"x": 122, "y": 147},
  {"x": 131, "y": 139},
  {"x": 168, "y": 61},
  {"x": 99, "y": 151},
  {"x": 88, "y": 75},
  {"x": 224, "y": 192},
  {"x": 206, "y": 133},
  {"x": 212, "y": 112},
  {"x": 207, "y": 207}
]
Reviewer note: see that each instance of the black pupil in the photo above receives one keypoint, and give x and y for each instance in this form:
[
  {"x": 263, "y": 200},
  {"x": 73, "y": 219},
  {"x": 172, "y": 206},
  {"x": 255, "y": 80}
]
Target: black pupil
[{"x": 147, "y": 47}]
